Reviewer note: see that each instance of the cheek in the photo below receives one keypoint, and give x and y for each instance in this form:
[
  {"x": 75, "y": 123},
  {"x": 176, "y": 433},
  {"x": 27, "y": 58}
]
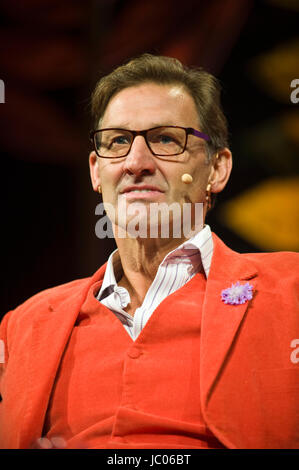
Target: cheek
[
  {"x": 201, "y": 175},
  {"x": 110, "y": 176},
  {"x": 196, "y": 190}
]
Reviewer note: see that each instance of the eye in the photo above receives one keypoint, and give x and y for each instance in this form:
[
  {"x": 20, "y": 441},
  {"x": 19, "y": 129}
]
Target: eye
[
  {"x": 115, "y": 141},
  {"x": 165, "y": 139},
  {"x": 120, "y": 140}
]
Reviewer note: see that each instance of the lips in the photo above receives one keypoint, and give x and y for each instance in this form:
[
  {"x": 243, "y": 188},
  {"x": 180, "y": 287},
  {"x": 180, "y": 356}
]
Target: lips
[
  {"x": 142, "y": 192},
  {"x": 142, "y": 189}
]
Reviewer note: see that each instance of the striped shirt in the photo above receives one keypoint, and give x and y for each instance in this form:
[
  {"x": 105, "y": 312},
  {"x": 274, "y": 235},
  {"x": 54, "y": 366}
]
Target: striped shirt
[{"x": 176, "y": 269}]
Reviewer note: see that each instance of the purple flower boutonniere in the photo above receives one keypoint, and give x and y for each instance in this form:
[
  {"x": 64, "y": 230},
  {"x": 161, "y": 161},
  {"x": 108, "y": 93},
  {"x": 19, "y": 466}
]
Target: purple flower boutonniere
[{"x": 237, "y": 294}]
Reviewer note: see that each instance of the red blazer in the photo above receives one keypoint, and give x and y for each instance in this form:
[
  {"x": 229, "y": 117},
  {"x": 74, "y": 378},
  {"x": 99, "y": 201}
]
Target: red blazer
[{"x": 249, "y": 353}]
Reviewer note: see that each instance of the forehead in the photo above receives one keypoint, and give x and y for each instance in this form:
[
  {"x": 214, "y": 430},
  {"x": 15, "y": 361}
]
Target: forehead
[{"x": 148, "y": 105}]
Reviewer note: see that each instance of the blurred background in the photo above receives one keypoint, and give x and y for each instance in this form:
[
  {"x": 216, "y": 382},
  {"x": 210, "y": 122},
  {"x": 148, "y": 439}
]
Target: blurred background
[{"x": 51, "y": 55}]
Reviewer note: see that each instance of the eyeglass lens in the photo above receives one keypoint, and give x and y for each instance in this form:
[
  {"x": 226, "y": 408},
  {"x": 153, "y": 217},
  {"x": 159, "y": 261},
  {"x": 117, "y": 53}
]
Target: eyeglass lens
[{"x": 161, "y": 140}]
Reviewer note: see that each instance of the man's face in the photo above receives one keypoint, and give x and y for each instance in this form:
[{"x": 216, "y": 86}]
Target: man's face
[{"x": 143, "y": 107}]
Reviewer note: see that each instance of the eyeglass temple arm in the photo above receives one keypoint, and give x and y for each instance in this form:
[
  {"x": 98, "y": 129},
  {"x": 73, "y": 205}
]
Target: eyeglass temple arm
[{"x": 198, "y": 134}]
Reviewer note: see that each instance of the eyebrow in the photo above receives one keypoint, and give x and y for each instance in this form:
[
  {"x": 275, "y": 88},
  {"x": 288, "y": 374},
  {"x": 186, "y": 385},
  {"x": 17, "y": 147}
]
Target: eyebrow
[{"x": 126, "y": 125}]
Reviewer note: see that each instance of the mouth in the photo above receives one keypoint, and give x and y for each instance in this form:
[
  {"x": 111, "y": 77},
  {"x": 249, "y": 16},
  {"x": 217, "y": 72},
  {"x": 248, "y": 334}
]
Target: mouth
[{"x": 142, "y": 192}]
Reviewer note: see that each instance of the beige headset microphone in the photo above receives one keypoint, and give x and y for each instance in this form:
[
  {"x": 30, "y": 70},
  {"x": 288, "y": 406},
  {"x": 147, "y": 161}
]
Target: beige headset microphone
[{"x": 186, "y": 178}]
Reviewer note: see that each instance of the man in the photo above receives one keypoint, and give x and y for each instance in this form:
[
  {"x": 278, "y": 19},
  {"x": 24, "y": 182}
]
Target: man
[{"x": 177, "y": 341}]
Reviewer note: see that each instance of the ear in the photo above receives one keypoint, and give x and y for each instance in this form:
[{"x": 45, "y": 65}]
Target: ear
[
  {"x": 94, "y": 170},
  {"x": 221, "y": 170}
]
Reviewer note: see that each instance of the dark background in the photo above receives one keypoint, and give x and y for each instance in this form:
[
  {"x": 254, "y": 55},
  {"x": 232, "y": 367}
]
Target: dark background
[{"x": 51, "y": 55}]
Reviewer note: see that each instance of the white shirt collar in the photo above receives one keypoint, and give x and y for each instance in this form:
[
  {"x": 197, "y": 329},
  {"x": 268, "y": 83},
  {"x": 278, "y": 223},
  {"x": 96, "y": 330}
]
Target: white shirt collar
[{"x": 201, "y": 241}]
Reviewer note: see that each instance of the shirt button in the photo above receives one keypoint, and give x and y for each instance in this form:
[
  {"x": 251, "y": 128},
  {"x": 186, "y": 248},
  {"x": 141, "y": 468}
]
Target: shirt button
[{"x": 134, "y": 353}]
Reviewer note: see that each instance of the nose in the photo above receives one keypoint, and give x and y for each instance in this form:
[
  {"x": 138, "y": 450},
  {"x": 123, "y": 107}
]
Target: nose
[{"x": 140, "y": 160}]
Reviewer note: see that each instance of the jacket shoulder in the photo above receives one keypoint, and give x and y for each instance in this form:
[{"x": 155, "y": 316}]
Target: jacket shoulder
[
  {"x": 271, "y": 267},
  {"x": 55, "y": 292},
  {"x": 278, "y": 270},
  {"x": 287, "y": 259},
  {"x": 39, "y": 303},
  {"x": 290, "y": 258}
]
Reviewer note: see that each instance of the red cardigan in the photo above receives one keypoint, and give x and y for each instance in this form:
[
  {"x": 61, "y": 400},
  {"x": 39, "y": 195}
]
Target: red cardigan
[{"x": 249, "y": 375}]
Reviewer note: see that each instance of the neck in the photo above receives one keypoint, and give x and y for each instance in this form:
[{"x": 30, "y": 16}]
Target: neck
[{"x": 140, "y": 259}]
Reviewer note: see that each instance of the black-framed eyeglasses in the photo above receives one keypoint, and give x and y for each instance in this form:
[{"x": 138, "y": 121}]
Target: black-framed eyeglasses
[{"x": 162, "y": 141}]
